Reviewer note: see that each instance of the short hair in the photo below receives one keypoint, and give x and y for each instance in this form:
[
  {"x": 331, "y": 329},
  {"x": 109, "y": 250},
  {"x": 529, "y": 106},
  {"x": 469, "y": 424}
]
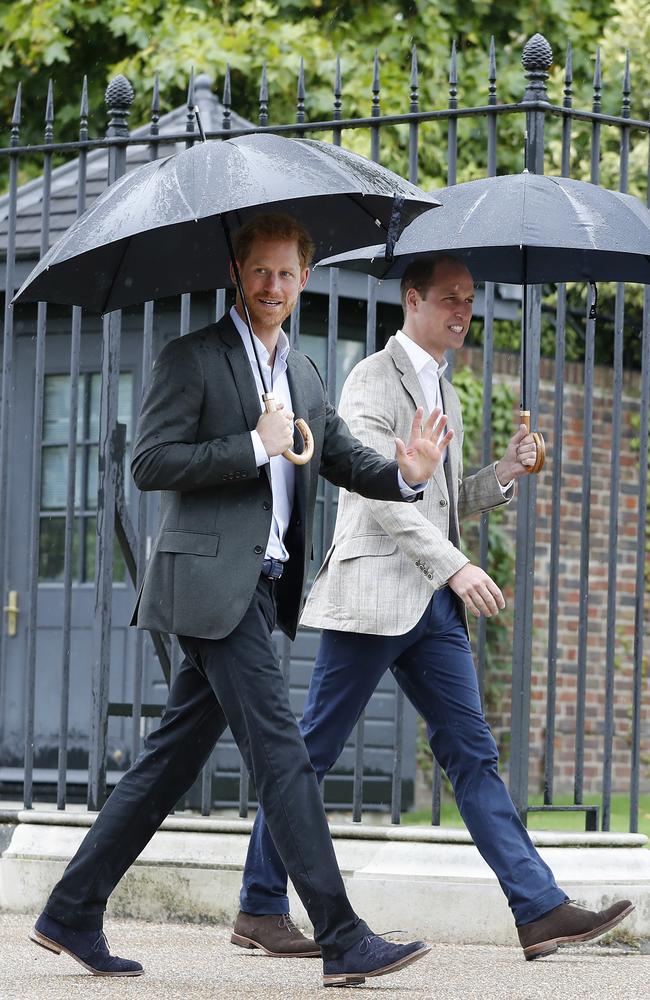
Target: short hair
[
  {"x": 420, "y": 274},
  {"x": 273, "y": 226}
]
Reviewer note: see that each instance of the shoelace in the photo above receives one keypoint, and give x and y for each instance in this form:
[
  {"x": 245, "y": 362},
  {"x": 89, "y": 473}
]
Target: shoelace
[
  {"x": 364, "y": 944},
  {"x": 101, "y": 940},
  {"x": 286, "y": 921}
]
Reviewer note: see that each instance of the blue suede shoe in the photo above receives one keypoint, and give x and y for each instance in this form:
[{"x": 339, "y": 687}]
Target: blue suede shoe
[
  {"x": 89, "y": 948},
  {"x": 372, "y": 956}
]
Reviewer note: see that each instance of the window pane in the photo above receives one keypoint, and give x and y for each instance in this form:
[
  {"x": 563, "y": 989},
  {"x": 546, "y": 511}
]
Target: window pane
[
  {"x": 56, "y": 408},
  {"x": 54, "y": 478},
  {"x": 55, "y": 471},
  {"x": 50, "y": 565},
  {"x": 124, "y": 403},
  {"x": 348, "y": 354}
]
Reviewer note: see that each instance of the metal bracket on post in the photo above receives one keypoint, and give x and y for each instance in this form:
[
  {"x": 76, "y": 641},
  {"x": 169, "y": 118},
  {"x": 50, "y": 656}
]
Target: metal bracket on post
[{"x": 127, "y": 539}]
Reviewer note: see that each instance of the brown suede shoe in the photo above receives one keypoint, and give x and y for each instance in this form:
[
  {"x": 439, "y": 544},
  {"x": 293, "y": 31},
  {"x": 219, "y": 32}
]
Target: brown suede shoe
[
  {"x": 569, "y": 923},
  {"x": 276, "y": 935}
]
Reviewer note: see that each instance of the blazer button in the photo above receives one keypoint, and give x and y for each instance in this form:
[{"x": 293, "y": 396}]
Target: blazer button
[
  {"x": 266, "y": 505},
  {"x": 258, "y": 550},
  {"x": 443, "y": 502}
]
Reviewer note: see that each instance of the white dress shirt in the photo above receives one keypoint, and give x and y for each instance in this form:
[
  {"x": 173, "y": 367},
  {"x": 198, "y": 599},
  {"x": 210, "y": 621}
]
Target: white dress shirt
[
  {"x": 428, "y": 372},
  {"x": 283, "y": 472}
]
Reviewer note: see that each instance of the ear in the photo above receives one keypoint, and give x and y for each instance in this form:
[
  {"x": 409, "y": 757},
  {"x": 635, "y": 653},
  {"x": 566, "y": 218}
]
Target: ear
[
  {"x": 412, "y": 298},
  {"x": 232, "y": 272},
  {"x": 304, "y": 274}
]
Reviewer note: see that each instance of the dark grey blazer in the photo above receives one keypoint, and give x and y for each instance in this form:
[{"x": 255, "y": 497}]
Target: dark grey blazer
[{"x": 193, "y": 444}]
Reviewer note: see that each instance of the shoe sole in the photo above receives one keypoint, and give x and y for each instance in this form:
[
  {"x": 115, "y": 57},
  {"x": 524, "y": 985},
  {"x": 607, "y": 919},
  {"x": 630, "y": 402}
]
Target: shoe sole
[
  {"x": 244, "y": 942},
  {"x": 551, "y": 946},
  {"x": 356, "y": 978},
  {"x": 57, "y": 948}
]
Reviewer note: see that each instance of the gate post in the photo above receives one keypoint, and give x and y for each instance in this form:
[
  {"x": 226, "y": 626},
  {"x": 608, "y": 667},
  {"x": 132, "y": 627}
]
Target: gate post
[
  {"x": 537, "y": 58},
  {"x": 119, "y": 97}
]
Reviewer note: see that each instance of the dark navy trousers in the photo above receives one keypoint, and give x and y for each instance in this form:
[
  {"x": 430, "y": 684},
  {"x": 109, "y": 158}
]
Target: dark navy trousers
[
  {"x": 233, "y": 681},
  {"x": 434, "y": 667}
]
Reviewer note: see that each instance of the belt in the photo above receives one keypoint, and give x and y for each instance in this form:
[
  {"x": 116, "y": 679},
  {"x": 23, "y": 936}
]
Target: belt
[{"x": 272, "y": 569}]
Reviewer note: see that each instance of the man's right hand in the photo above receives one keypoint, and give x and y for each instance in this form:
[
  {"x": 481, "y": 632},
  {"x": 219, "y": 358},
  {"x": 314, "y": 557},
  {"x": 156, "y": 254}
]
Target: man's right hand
[
  {"x": 276, "y": 430},
  {"x": 478, "y": 592}
]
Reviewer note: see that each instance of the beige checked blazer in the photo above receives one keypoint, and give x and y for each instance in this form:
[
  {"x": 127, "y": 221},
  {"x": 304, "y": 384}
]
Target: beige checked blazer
[{"x": 387, "y": 558}]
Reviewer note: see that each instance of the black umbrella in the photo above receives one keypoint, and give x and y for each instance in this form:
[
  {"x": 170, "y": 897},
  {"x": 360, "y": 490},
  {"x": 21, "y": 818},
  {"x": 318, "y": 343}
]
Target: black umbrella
[
  {"x": 158, "y": 230},
  {"x": 523, "y": 229},
  {"x": 164, "y": 229}
]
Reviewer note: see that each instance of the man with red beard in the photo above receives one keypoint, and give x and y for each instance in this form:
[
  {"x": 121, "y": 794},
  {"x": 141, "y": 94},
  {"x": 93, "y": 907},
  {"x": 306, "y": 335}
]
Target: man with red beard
[{"x": 229, "y": 560}]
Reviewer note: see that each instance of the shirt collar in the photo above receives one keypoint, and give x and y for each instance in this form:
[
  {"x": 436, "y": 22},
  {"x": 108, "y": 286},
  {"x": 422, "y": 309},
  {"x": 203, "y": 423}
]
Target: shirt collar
[
  {"x": 419, "y": 358},
  {"x": 283, "y": 346}
]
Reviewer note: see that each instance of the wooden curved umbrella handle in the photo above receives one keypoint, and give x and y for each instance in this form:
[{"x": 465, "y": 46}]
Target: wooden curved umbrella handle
[
  {"x": 539, "y": 443},
  {"x": 270, "y": 406}
]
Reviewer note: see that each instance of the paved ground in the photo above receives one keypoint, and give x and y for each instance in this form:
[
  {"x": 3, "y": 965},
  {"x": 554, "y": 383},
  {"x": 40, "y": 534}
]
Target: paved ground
[{"x": 189, "y": 962}]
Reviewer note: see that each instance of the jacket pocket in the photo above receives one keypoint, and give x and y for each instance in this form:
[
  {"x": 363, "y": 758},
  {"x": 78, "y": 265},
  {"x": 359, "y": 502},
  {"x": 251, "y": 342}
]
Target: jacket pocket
[
  {"x": 193, "y": 543},
  {"x": 364, "y": 545}
]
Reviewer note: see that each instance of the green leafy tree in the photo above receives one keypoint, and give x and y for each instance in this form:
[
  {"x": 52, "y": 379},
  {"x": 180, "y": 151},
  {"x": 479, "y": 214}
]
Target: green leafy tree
[{"x": 65, "y": 39}]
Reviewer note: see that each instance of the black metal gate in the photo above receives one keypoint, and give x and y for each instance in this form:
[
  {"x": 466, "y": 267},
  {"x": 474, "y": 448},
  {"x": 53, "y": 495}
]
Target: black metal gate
[{"x": 119, "y": 515}]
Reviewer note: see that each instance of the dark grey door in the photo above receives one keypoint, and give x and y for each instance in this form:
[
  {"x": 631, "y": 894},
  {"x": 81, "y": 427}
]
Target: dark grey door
[{"x": 49, "y": 648}]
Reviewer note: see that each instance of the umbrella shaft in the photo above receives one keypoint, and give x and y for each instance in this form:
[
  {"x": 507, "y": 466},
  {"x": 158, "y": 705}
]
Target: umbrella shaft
[{"x": 240, "y": 289}]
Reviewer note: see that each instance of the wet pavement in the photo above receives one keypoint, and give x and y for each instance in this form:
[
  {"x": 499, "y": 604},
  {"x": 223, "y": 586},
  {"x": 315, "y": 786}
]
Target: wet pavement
[{"x": 192, "y": 962}]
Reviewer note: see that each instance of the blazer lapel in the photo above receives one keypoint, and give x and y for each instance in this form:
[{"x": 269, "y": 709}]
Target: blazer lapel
[
  {"x": 454, "y": 422},
  {"x": 300, "y": 409},
  {"x": 242, "y": 375},
  {"x": 411, "y": 383}
]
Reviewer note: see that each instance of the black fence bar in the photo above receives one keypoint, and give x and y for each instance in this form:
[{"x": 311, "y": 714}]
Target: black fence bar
[
  {"x": 452, "y": 123},
  {"x": 142, "y": 542},
  {"x": 641, "y": 581},
  {"x": 329, "y": 494},
  {"x": 536, "y": 64},
  {"x": 554, "y": 554},
  {"x": 68, "y": 552},
  {"x": 414, "y": 129},
  {"x": 585, "y": 534},
  {"x": 104, "y": 560},
  {"x": 615, "y": 473},
  {"x": 7, "y": 398},
  {"x": 357, "y": 781},
  {"x": 615, "y": 482},
  {"x": 119, "y": 97},
  {"x": 71, "y": 477},
  {"x": 486, "y": 456},
  {"x": 375, "y": 111},
  {"x": 556, "y": 488},
  {"x": 488, "y": 365},
  {"x": 294, "y": 328},
  {"x": 436, "y": 794},
  {"x": 35, "y": 488},
  {"x": 398, "y": 742}
]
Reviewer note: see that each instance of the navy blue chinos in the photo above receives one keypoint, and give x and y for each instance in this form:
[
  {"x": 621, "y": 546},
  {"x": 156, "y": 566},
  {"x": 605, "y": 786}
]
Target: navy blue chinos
[{"x": 433, "y": 665}]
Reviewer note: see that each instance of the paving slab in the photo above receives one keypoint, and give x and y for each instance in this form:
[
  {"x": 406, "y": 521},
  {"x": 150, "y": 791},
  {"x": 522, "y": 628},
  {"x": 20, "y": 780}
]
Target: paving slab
[{"x": 197, "y": 962}]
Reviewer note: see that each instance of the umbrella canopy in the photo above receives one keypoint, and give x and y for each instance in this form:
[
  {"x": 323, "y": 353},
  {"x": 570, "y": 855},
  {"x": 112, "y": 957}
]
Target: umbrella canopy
[
  {"x": 524, "y": 229},
  {"x": 157, "y": 231}
]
